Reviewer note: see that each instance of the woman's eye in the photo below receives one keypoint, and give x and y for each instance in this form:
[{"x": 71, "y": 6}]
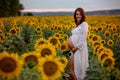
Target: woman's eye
[{"x": 78, "y": 14}]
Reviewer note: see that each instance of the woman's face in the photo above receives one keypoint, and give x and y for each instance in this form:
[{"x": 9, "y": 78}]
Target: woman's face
[{"x": 78, "y": 16}]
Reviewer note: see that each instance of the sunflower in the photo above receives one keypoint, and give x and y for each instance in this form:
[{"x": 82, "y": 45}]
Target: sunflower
[
  {"x": 110, "y": 42},
  {"x": 57, "y": 35},
  {"x": 114, "y": 29},
  {"x": 38, "y": 29},
  {"x": 50, "y": 68},
  {"x": 108, "y": 62},
  {"x": 40, "y": 42},
  {"x": 59, "y": 27},
  {"x": 54, "y": 41},
  {"x": 64, "y": 46},
  {"x": 107, "y": 34},
  {"x": 114, "y": 36},
  {"x": 95, "y": 38},
  {"x": 95, "y": 43},
  {"x": 102, "y": 55},
  {"x": 13, "y": 31},
  {"x": 103, "y": 42},
  {"x": 48, "y": 50},
  {"x": 10, "y": 65},
  {"x": 100, "y": 29},
  {"x": 31, "y": 58}
]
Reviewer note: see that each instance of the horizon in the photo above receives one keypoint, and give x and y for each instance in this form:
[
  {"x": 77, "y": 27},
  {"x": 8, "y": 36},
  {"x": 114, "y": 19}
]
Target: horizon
[{"x": 59, "y": 10}]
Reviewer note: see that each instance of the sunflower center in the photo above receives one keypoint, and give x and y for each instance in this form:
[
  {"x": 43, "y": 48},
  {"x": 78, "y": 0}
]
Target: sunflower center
[
  {"x": 63, "y": 47},
  {"x": 45, "y": 51},
  {"x": 107, "y": 34},
  {"x": 53, "y": 41},
  {"x": 99, "y": 29},
  {"x": 96, "y": 43},
  {"x": 110, "y": 42},
  {"x": 95, "y": 38},
  {"x": 103, "y": 56},
  {"x": 31, "y": 58},
  {"x": 8, "y": 64},
  {"x": 50, "y": 68},
  {"x": 13, "y": 31},
  {"x": 62, "y": 61}
]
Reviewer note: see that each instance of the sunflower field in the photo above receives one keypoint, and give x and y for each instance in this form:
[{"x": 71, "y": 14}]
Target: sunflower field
[{"x": 35, "y": 47}]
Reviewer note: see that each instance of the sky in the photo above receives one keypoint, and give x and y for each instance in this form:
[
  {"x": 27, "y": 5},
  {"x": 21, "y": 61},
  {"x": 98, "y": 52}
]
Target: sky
[{"x": 68, "y": 5}]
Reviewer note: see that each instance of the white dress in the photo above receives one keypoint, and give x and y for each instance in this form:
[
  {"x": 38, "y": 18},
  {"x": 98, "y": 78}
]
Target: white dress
[{"x": 79, "y": 40}]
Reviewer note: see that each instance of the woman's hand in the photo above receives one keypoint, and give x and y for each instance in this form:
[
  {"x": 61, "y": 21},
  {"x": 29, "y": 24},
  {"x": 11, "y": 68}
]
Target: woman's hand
[{"x": 74, "y": 49}]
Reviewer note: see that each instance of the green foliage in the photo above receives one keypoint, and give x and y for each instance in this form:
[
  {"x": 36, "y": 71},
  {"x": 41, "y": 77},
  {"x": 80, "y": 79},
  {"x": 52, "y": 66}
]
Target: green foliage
[
  {"x": 15, "y": 44},
  {"x": 4, "y": 8},
  {"x": 47, "y": 33},
  {"x": 29, "y": 74},
  {"x": 10, "y": 8},
  {"x": 28, "y": 36},
  {"x": 116, "y": 50}
]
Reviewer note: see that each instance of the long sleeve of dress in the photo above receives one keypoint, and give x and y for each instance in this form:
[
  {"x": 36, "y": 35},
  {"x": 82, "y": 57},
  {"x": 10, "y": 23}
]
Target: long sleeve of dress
[{"x": 82, "y": 35}]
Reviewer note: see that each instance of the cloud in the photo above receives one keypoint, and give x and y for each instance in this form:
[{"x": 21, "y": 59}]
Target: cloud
[{"x": 49, "y": 10}]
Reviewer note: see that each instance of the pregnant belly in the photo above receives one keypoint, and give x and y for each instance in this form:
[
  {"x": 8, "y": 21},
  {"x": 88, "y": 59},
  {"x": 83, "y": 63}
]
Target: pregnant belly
[{"x": 70, "y": 45}]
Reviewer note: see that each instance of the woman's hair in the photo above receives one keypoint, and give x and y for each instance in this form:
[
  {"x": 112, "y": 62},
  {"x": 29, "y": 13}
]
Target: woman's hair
[{"x": 82, "y": 13}]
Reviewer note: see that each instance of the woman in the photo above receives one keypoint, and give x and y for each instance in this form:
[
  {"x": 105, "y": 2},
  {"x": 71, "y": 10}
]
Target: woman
[{"x": 78, "y": 45}]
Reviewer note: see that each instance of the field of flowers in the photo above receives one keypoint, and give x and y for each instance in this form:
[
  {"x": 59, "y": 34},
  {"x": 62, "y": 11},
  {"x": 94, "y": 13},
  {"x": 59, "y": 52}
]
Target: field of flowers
[{"x": 35, "y": 47}]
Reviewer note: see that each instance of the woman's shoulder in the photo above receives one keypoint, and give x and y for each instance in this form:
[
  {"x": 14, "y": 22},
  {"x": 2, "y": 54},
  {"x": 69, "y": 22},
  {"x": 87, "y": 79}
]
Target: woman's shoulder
[{"x": 84, "y": 23}]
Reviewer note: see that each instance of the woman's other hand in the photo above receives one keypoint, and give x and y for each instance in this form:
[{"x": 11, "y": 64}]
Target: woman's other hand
[{"x": 74, "y": 49}]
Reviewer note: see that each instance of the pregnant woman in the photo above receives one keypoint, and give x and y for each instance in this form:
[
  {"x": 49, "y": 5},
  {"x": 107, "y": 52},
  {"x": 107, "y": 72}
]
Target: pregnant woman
[{"x": 77, "y": 42}]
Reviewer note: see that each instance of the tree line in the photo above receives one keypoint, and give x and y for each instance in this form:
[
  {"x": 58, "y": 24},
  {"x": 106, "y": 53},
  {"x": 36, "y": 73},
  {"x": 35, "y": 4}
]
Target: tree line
[{"x": 10, "y": 8}]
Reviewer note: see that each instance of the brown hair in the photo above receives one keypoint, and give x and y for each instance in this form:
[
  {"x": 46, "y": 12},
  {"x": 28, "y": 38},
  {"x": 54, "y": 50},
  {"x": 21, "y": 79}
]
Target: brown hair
[{"x": 82, "y": 13}]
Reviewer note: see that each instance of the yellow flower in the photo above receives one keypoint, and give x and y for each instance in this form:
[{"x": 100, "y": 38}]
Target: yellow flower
[
  {"x": 10, "y": 65},
  {"x": 50, "y": 68},
  {"x": 96, "y": 43},
  {"x": 100, "y": 29},
  {"x": 46, "y": 49},
  {"x": 40, "y": 42},
  {"x": 115, "y": 36},
  {"x": 54, "y": 41},
  {"x": 103, "y": 42},
  {"x": 105, "y": 53},
  {"x": 13, "y": 31},
  {"x": 110, "y": 42},
  {"x": 108, "y": 62},
  {"x": 64, "y": 46},
  {"x": 107, "y": 34},
  {"x": 95, "y": 38},
  {"x": 30, "y": 57}
]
